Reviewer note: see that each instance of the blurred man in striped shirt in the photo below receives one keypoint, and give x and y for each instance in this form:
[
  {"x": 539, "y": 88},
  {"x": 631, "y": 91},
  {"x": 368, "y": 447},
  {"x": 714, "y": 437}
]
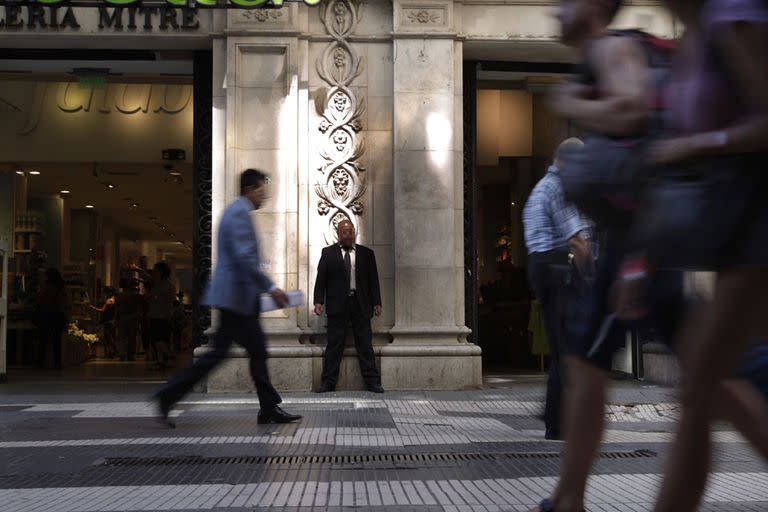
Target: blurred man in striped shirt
[{"x": 554, "y": 229}]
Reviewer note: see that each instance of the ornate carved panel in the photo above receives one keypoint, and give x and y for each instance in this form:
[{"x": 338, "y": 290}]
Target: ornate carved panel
[
  {"x": 423, "y": 16},
  {"x": 285, "y": 18},
  {"x": 341, "y": 181}
]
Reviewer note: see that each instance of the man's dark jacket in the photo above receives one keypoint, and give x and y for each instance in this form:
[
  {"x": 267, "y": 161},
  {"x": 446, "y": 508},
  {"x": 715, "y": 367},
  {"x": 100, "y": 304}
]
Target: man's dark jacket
[{"x": 331, "y": 283}]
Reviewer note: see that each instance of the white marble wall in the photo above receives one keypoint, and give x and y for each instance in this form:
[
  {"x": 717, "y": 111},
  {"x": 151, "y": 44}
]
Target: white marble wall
[{"x": 410, "y": 54}]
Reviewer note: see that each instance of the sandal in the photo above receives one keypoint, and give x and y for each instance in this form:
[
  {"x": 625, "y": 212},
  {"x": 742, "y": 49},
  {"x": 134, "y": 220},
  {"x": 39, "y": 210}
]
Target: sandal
[{"x": 546, "y": 505}]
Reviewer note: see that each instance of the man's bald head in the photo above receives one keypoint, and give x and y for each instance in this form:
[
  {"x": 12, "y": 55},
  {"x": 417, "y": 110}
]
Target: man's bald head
[
  {"x": 345, "y": 222},
  {"x": 569, "y": 144}
]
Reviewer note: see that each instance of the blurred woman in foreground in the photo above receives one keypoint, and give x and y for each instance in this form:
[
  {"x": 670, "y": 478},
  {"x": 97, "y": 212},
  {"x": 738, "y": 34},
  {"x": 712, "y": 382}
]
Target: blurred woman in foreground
[{"x": 719, "y": 108}]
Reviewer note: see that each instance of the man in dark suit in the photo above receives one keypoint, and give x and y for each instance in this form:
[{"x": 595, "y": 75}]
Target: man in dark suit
[
  {"x": 347, "y": 288},
  {"x": 235, "y": 290}
]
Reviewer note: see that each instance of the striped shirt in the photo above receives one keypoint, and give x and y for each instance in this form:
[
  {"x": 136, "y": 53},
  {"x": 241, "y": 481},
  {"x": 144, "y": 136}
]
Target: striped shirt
[{"x": 548, "y": 219}]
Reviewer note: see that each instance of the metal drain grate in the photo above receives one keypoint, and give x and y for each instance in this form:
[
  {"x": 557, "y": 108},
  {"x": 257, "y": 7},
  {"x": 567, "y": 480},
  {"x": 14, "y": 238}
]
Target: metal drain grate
[{"x": 355, "y": 459}]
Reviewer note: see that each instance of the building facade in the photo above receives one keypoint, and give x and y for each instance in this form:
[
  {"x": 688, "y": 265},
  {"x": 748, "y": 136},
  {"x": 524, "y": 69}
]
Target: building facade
[{"x": 358, "y": 109}]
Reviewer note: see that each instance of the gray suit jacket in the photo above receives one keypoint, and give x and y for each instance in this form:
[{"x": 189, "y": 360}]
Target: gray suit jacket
[{"x": 238, "y": 279}]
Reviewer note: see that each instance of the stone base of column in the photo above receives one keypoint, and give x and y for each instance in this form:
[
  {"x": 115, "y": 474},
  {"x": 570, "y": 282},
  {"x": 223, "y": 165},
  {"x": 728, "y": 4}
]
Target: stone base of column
[
  {"x": 291, "y": 368},
  {"x": 431, "y": 358},
  {"x": 438, "y": 362}
]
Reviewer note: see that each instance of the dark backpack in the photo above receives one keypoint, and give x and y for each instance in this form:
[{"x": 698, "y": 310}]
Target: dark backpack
[{"x": 604, "y": 179}]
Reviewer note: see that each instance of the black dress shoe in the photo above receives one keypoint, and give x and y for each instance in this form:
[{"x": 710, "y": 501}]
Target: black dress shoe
[
  {"x": 276, "y": 415},
  {"x": 325, "y": 388},
  {"x": 164, "y": 408},
  {"x": 375, "y": 388}
]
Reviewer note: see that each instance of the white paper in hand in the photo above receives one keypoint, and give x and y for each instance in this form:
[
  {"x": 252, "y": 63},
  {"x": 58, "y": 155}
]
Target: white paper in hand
[{"x": 295, "y": 299}]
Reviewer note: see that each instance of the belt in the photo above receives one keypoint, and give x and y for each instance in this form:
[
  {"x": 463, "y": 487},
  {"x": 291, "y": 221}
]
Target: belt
[{"x": 351, "y": 293}]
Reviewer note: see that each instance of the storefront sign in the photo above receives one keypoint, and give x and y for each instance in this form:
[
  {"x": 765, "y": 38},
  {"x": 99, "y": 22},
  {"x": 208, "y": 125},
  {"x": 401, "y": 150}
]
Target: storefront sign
[
  {"x": 132, "y": 18},
  {"x": 119, "y": 14},
  {"x": 219, "y": 4}
]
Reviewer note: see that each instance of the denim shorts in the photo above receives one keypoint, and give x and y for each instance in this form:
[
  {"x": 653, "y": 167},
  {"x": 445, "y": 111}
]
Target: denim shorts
[
  {"x": 754, "y": 366},
  {"x": 593, "y": 332}
]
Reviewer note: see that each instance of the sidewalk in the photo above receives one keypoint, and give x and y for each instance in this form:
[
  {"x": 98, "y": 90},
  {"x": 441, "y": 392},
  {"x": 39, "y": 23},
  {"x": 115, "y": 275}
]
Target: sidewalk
[{"x": 96, "y": 447}]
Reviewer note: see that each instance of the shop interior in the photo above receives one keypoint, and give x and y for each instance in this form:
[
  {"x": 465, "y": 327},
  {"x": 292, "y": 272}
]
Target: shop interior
[
  {"x": 97, "y": 179},
  {"x": 516, "y": 137}
]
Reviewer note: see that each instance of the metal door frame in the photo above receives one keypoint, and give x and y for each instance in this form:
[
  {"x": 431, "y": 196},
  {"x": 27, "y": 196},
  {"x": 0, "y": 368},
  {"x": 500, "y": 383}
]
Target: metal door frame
[
  {"x": 4, "y": 249},
  {"x": 470, "y": 197},
  {"x": 202, "y": 191},
  {"x": 470, "y": 72}
]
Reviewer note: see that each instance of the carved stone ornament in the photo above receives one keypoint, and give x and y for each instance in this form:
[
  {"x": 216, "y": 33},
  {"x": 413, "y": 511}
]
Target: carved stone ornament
[
  {"x": 341, "y": 182},
  {"x": 423, "y": 16},
  {"x": 261, "y": 15}
]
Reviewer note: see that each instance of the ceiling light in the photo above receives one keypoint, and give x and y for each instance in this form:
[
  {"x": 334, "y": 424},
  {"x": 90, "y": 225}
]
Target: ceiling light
[
  {"x": 163, "y": 227},
  {"x": 110, "y": 186},
  {"x": 89, "y": 206},
  {"x": 64, "y": 192},
  {"x": 134, "y": 205},
  {"x": 34, "y": 173},
  {"x": 172, "y": 235},
  {"x": 20, "y": 173}
]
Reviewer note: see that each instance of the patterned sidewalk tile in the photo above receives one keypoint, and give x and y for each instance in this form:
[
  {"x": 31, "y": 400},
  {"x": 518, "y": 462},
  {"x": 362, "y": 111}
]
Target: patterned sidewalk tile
[{"x": 416, "y": 451}]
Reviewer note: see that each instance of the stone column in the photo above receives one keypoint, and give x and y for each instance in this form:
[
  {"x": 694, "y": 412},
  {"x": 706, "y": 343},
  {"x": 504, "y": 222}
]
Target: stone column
[
  {"x": 429, "y": 348},
  {"x": 265, "y": 122}
]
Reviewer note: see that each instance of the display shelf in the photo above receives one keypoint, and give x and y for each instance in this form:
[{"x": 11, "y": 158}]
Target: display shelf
[{"x": 27, "y": 231}]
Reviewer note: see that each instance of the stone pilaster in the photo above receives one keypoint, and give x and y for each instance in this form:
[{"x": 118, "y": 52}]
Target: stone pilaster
[
  {"x": 264, "y": 109},
  {"x": 429, "y": 347}
]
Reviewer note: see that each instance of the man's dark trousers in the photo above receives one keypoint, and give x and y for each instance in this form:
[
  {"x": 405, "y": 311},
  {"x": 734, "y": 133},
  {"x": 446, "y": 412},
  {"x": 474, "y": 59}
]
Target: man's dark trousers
[
  {"x": 337, "y": 333},
  {"x": 246, "y": 331},
  {"x": 547, "y": 276}
]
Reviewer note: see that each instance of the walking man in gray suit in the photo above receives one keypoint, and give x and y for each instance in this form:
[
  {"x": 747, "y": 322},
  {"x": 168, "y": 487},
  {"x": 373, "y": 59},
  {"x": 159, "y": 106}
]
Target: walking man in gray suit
[{"x": 235, "y": 290}]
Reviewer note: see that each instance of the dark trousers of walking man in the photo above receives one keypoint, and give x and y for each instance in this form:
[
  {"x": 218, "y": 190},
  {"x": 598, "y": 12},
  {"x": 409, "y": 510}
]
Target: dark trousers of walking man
[
  {"x": 236, "y": 288},
  {"x": 547, "y": 273},
  {"x": 246, "y": 331}
]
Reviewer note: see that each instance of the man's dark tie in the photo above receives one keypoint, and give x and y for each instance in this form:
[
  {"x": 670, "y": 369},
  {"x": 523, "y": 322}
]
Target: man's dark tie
[{"x": 348, "y": 267}]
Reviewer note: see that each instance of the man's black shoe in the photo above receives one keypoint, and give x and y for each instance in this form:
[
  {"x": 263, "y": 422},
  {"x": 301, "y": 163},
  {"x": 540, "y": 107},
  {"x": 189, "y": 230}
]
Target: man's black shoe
[
  {"x": 552, "y": 435},
  {"x": 325, "y": 388},
  {"x": 164, "y": 408},
  {"x": 375, "y": 388},
  {"x": 276, "y": 415}
]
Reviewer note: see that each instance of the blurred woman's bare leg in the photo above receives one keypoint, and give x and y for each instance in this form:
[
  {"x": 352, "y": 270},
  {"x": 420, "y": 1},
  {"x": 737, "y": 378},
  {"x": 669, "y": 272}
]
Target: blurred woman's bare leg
[{"x": 709, "y": 351}]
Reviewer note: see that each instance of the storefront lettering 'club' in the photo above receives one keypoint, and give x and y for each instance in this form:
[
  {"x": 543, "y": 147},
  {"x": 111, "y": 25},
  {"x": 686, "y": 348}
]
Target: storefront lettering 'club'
[{"x": 117, "y": 14}]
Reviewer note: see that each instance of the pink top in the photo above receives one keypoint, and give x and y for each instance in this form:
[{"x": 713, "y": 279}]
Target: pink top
[{"x": 701, "y": 93}]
